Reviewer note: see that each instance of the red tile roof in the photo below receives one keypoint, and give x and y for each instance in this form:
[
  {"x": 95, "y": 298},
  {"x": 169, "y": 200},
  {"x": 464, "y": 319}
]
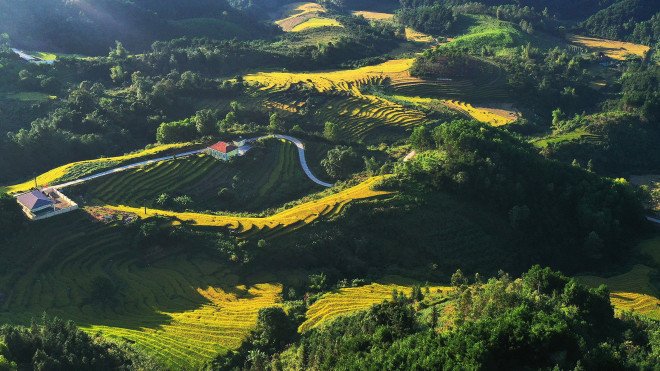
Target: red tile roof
[{"x": 223, "y": 147}]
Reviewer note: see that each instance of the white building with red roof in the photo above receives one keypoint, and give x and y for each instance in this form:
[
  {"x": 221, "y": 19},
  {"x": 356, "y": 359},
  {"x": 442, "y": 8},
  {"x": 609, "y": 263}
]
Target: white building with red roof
[{"x": 223, "y": 151}]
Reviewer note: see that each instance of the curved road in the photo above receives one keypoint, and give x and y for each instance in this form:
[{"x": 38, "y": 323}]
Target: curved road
[
  {"x": 297, "y": 142},
  {"x": 301, "y": 153}
]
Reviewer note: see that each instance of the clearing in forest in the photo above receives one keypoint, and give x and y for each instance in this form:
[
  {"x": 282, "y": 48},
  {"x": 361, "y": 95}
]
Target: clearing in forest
[{"x": 610, "y": 48}]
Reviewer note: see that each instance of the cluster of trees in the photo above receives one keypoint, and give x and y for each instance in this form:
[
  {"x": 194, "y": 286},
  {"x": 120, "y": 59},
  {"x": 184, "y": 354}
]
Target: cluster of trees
[
  {"x": 634, "y": 20},
  {"x": 541, "y": 320},
  {"x": 581, "y": 213},
  {"x": 545, "y": 81},
  {"x": 445, "y": 62},
  {"x": 69, "y": 27},
  {"x": 434, "y": 20},
  {"x": 58, "y": 345}
]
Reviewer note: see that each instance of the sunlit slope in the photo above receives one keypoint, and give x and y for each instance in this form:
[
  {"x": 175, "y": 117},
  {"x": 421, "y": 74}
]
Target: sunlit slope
[
  {"x": 352, "y": 299},
  {"x": 634, "y": 290},
  {"x": 51, "y": 176},
  {"x": 183, "y": 307},
  {"x": 341, "y": 80},
  {"x": 282, "y": 222},
  {"x": 610, "y": 48}
]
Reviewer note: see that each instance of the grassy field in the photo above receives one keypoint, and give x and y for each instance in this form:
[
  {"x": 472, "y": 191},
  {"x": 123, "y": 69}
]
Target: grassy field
[
  {"x": 52, "y": 176},
  {"x": 182, "y": 307},
  {"x": 611, "y": 48},
  {"x": 347, "y": 300},
  {"x": 574, "y": 135},
  {"x": 274, "y": 225},
  {"x": 266, "y": 177}
]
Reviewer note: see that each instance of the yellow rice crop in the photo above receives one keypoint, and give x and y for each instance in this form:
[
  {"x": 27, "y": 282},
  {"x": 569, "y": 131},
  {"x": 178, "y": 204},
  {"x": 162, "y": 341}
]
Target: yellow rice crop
[
  {"x": 52, "y": 175},
  {"x": 374, "y": 16},
  {"x": 346, "y": 80},
  {"x": 297, "y": 13},
  {"x": 305, "y": 213},
  {"x": 479, "y": 114},
  {"x": 630, "y": 291},
  {"x": 316, "y": 22},
  {"x": 416, "y": 36},
  {"x": 353, "y": 299},
  {"x": 611, "y": 48},
  {"x": 194, "y": 336}
]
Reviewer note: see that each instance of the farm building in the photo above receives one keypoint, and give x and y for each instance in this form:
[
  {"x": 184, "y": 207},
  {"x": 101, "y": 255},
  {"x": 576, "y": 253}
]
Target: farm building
[
  {"x": 223, "y": 150},
  {"x": 41, "y": 204}
]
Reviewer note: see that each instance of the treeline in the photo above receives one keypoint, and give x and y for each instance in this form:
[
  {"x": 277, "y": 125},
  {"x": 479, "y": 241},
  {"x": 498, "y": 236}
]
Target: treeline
[
  {"x": 71, "y": 27},
  {"x": 631, "y": 20},
  {"x": 579, "y": 213},
  {"x": 563, "y": 9},
  {"x": 434, "y": 20},
  {"x": 503, "y": 324},
  {"x": 55, "y": 344}
]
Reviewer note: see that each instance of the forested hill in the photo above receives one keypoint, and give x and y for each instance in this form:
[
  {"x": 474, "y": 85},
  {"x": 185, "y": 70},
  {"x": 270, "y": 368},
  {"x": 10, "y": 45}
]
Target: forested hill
[{"x": 90, "y": 27}]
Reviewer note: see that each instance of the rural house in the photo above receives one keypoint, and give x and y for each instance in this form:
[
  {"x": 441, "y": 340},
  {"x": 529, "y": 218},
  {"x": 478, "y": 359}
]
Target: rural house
[
  {"x": 223, "y": 150},
  {"x": 41, "y": 204},
  {"x": 35, "y": 202}
]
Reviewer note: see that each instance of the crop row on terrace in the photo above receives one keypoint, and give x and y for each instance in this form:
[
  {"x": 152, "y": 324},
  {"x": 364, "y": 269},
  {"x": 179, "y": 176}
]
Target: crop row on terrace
[
  {"x": 352, "y": 299},
  {"x": 275, "y": 225},
  {"x": 323, "y": 82},
  {"x": 184, "y": 309},
  {"x": 53, "y": 176},
  {"x": 448, "y": 89},
  {"x": 365, "y": 117},
  {"x": 631, "y": 291},
  {"x": 268, "y": 176}
]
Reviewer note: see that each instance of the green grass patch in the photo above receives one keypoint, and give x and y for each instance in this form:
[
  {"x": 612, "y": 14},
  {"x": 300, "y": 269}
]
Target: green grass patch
[
  {"x": 31, "y": 96},
  {"x": 574, "y": 135}
]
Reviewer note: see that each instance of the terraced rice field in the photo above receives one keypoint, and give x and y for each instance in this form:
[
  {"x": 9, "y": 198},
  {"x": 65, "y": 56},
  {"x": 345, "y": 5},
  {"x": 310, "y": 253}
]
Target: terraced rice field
[
  {"x": 630, "y": 291},
  {"x": 611, "y": 48},
  {"x": 294, "y": 14},
  {"x": 331, "y": 81},
  {"x": 316, "y": 22},
  {"x": 574, "y": 135},
  {"x": 465, "y": 90},
  {"x": 183, "y": 308},
  {"x": 480, "y": 114},
  {"x": 353, "y": 299},
  {"x": 374, "y": 16},
  {"x": 52, "y": 176},
  {"x": 370, "y": 118},
  {"x": 268, "y": 177},
  {"x": 275, "y": 225}
]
